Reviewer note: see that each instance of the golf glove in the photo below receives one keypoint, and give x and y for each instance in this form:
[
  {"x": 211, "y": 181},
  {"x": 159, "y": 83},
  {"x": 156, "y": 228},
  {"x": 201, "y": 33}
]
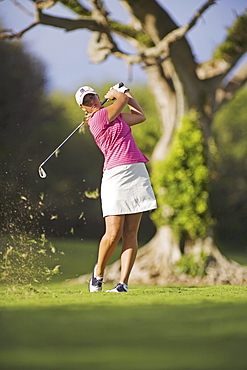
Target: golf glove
[{"x": 120, "y": 88}]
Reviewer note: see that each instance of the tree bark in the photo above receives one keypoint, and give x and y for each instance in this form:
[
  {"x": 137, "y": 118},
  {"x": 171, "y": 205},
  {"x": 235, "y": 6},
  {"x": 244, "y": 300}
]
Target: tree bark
[
  {"x": 156, "y": 264},
  {"x": 178, "y": 84}
]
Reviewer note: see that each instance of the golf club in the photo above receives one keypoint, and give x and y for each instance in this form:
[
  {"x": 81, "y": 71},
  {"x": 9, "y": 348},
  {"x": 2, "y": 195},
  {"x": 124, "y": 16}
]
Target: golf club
[
  {"x": 41, "y": 170},
  {"x": 119, "y": 85}
]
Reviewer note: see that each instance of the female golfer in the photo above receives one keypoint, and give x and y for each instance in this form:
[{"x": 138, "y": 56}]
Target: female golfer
[{"x": 126, "y": 190}]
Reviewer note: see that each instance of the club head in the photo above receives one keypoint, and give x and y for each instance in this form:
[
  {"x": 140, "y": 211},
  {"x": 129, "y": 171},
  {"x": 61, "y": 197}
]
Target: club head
[{"x": 42, "y": 172}]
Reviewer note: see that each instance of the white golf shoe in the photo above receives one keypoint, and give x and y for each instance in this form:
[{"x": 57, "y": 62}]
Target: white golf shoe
[
  {"x": 119, "y": 288},
  {"x": 95, "y": 283}
]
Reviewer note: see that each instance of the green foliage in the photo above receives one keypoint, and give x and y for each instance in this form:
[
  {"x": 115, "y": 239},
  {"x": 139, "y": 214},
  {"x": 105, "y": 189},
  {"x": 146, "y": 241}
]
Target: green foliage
[
  {"x": 23, "y": 112},
  {"x": 117, "y": 27},
  {"x": 127, "y": 31},
  {"x": 181, "y": 183},
  {"x": 229, "y": 128},
  {"x": 76, "y": 7},
  {"x": 236, "y": 40},
  {"x": 228, "y": 188},
  {"x": 192, "y": 264},
  {"x": 33, "y": 125}
]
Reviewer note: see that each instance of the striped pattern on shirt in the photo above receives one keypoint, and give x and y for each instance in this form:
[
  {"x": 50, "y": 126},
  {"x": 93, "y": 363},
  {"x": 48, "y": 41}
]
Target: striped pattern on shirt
[{"x": 115, "y": 140}]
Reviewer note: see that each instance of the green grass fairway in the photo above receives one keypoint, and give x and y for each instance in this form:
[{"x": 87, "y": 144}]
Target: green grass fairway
[{"x": 66, "y": 328}]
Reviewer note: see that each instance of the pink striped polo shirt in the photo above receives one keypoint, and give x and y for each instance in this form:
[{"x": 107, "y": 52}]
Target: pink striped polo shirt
[{"x": 115, "y": 140}]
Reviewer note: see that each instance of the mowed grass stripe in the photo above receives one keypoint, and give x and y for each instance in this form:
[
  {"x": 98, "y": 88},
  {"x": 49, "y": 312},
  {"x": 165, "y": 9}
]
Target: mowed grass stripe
[{"x": 61, "y": 327}]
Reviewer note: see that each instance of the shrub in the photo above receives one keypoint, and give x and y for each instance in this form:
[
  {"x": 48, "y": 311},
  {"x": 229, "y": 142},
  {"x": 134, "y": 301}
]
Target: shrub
[
  {"x": 193, "y": 265},
  {"x": 181, "y": 183}
]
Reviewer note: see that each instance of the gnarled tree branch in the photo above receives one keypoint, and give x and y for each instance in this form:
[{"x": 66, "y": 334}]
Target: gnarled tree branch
[
  {"x": 225, "y": 94},
  {"x": 99, "y": 23},
  {"x": 10, "y": 35},
  {"x": 228, "y": 53}
]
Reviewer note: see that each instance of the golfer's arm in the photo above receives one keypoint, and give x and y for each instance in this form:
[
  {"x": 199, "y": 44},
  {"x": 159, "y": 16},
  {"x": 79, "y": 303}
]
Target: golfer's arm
[
  {"x": 136, "y": 114},
  {"x": 116, "y": 108}
]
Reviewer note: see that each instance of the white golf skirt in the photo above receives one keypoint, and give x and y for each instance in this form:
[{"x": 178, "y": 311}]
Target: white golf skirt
[{"x": 127, "y": 189}]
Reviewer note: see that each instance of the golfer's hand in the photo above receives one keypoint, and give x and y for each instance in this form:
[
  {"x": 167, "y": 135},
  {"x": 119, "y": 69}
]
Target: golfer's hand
[
  {"x": 111, "y": 94},
  {"x": 122, "y": 88}
]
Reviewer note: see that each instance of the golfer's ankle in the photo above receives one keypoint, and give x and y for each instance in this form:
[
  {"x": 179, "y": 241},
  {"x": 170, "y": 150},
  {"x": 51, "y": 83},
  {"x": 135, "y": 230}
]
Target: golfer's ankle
[{"x": 99, "y": 273}]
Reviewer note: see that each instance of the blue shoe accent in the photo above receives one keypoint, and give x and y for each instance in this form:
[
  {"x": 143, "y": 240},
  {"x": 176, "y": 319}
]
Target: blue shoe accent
[
  {"x": 95, "y": 283},
  {"x": 119, "y": 288}
]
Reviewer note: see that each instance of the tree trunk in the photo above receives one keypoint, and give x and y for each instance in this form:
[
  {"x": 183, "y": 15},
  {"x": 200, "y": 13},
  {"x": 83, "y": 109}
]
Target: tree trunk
[
  {"x": 156, "y": 264},
  {"x": 178, "y": 84}
]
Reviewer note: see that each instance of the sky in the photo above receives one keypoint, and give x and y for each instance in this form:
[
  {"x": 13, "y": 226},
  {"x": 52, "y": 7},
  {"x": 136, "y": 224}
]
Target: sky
[{"x": 65, "y": 53}]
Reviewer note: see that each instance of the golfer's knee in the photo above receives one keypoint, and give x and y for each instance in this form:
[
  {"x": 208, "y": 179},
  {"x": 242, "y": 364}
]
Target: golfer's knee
[
  {"x": 130, "y": 231},
  {"x": 129, "y": 238},
  {"x": 113, "y": 235}
]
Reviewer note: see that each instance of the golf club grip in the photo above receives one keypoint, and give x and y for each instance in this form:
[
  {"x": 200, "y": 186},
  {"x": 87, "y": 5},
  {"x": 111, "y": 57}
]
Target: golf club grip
[{"x": 105, "y": 100}]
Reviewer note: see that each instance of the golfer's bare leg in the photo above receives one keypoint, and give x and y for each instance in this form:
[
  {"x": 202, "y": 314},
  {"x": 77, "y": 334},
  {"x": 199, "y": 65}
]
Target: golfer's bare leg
[
  {"x": 108, "y": 243},
  {"x": 129, "y": 244}
]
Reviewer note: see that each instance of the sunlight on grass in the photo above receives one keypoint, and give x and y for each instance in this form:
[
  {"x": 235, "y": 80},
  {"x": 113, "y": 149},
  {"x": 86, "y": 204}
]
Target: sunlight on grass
[
  {"x": 65, "y": 327},
  {"x": 64, "y": 294}
]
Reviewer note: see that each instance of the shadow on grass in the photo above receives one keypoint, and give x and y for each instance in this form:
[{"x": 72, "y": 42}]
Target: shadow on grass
[{"x": 150, "y": 328}]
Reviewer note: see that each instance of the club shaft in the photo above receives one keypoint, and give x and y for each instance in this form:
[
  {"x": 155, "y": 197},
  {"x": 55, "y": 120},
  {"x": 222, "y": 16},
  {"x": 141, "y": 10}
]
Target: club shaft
[
  {"x": 72, "y": 133},
  {"x": 104, "y": 101},
  {"x": 67, "y": 138}
]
